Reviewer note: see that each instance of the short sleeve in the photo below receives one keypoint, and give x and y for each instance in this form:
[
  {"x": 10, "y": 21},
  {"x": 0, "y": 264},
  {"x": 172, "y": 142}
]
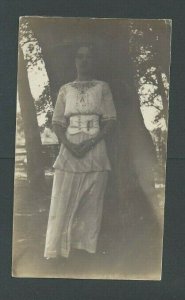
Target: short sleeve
[
  {"x": 107, "y": 105},
  {"x": 59, "y": 110}
]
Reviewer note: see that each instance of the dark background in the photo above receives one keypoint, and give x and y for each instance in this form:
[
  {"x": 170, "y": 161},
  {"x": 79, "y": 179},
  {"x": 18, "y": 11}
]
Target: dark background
[{"x": 173, "y": 278}]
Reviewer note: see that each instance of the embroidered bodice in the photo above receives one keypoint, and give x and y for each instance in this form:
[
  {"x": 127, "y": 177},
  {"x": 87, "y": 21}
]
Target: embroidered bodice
[{"x": 84, "y": 97}]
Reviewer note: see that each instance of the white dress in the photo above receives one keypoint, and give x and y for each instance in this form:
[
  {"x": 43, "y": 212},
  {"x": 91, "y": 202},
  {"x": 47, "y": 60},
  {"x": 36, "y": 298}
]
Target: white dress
[{"x": 79, "y": 184}]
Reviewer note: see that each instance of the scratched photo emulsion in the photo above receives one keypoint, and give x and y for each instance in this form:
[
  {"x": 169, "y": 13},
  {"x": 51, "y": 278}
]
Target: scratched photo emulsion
[{"x": 91, "y": 147}]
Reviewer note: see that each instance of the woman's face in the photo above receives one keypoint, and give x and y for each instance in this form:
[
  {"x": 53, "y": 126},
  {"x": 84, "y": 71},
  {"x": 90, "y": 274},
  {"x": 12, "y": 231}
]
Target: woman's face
[{"x": 84, "y": 60}]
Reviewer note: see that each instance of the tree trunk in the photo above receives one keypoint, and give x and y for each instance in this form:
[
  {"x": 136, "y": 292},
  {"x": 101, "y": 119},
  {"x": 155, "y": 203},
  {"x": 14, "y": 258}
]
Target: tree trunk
[
  {"x": 162, "y": 92},
  {"x": 35, "y": 167}
]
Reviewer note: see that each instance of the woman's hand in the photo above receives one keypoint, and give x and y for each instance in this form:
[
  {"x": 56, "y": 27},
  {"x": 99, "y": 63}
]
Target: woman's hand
[
  {"x": 79, "y": 150},
  {"x": 75, "y": 150},
  {"x": 87, "y": 145}
]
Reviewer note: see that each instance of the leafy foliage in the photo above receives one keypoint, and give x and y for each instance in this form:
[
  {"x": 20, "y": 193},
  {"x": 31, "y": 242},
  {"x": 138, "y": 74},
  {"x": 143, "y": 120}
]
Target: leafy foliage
[
  {"x": 37, "y": 74},
  {"x": 151, "y": 80}
]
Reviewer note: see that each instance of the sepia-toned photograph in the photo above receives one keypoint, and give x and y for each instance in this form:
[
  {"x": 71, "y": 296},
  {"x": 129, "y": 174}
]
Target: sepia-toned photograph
[{"x": 91, "y": 147}]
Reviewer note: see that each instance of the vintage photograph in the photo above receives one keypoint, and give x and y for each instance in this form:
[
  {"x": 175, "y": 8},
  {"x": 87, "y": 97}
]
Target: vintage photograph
[{"x": 91, "y": 147}]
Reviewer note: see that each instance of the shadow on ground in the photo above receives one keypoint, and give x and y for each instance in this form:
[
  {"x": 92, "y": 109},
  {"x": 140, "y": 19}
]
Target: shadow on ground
[{"x": 126, "y": 250}]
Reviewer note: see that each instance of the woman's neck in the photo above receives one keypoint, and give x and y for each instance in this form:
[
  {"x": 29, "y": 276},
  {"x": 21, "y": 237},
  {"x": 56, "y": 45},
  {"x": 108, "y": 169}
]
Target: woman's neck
[{"x": 83, "y": 77}]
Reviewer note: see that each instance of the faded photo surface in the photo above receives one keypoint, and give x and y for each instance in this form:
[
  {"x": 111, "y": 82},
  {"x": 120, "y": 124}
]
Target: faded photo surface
[{"x": 91, "y": 146}]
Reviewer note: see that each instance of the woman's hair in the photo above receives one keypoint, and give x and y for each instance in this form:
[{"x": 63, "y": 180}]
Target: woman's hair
[{"x": 88, "y": 45}]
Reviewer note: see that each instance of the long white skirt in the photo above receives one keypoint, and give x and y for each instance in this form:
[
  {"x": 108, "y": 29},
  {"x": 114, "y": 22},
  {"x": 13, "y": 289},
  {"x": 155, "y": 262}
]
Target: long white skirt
[{"x": 75, "y": 212}]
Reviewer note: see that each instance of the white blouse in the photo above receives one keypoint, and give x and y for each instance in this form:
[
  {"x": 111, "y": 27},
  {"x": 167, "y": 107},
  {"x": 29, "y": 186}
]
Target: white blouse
[
  {"x": 79, "y": 98},
  {"x": 84, "y": 97}
]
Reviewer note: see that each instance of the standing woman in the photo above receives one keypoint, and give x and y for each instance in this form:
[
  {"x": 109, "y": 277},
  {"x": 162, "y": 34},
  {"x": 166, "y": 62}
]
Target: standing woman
[{"x": 84, "y": 114}]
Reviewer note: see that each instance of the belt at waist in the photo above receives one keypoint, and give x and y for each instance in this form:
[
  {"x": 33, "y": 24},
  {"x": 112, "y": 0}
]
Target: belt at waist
[{"x": 83, "y": 123}]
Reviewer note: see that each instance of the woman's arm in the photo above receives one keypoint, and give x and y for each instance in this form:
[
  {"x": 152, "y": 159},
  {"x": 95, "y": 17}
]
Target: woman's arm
[
  {"x": 105, "y": 130},
  {"x": 60, "y": 133}
]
